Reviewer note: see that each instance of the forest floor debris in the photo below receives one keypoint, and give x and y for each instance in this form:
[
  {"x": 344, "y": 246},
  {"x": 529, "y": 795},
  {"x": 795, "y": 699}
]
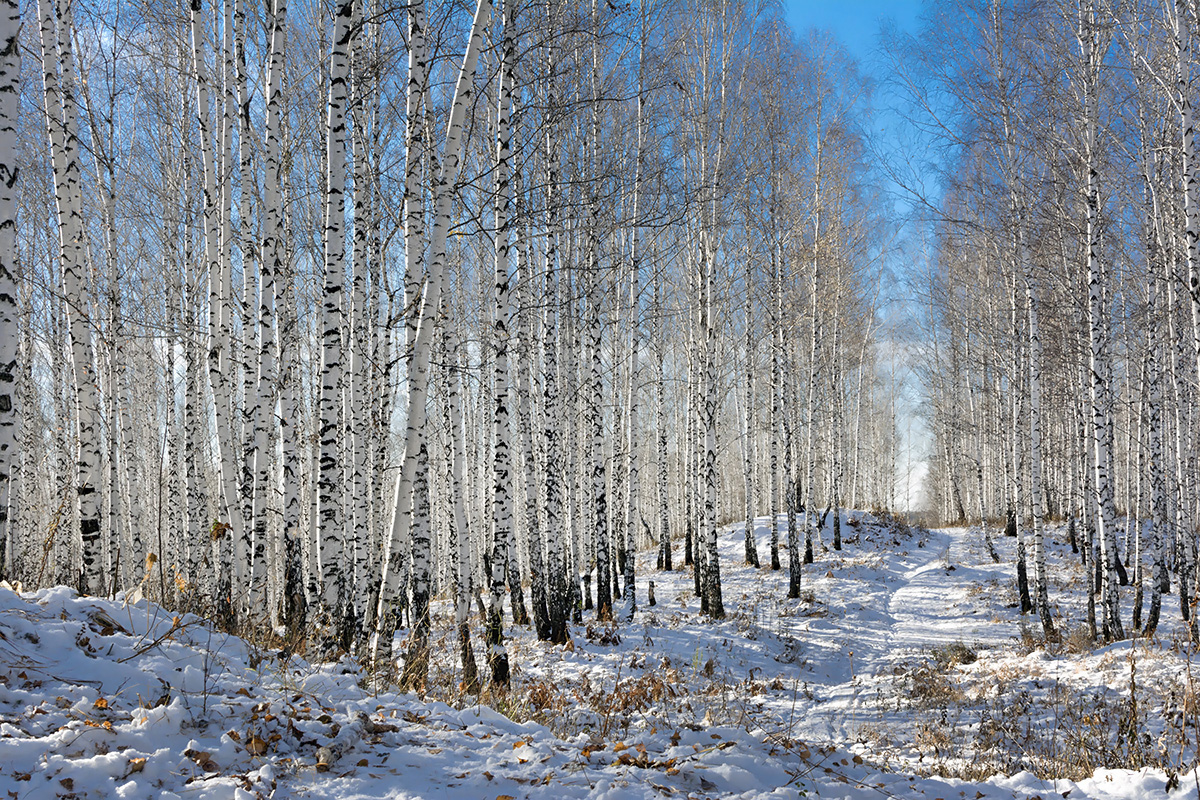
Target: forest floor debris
[{"x": 902, "y": 671}]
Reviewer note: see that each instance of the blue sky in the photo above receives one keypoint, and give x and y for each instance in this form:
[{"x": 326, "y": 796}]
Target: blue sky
[{"x": 854, "y": 22}]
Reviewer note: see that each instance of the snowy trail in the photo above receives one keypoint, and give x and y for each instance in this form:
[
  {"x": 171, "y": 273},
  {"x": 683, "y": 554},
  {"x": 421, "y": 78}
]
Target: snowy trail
[
  {"x": 931, "y": 608},
  {"x": 896, "y": 610}
]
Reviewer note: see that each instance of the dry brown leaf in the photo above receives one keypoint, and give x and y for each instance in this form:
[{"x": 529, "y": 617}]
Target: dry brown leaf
[{"x": 199, "y": 756}]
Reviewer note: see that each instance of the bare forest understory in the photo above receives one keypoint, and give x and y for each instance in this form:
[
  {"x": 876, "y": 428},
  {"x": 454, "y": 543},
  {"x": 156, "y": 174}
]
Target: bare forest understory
[{"x": 905, "y": 669}]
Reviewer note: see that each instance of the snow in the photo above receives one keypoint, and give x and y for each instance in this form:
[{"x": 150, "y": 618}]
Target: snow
[{"x": 903, "y": 661}]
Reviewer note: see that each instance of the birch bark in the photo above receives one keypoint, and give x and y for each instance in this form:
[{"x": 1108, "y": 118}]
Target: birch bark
[
  {"x": 447, "y": 178},
  {"x": 58, "y": 72},
  {"x": 334, "y": 588},
  {"x": 10, "y": 341},
  {"x": 502, "y": 509},
  {"x": 1098, "y": 334}
]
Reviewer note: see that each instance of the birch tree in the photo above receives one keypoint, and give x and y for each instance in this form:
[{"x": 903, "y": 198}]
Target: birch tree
[
  {"x": 418, "y": 382},
  {"x": 58, "y": 74},
  {"x": 10, "y": 341}
]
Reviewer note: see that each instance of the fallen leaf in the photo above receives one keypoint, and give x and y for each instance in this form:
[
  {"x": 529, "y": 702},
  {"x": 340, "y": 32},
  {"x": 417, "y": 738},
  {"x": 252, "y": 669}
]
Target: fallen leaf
[
  {"x": 101, "y": 704},
  {"x": 136, "y": 765},
  {"x": 362, "y": 762},
  {"x": 199, "y": 756}
]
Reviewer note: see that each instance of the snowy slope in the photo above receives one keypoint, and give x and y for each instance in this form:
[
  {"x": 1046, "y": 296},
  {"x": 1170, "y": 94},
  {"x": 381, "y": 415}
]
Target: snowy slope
[{"x": 830, "y": 695}]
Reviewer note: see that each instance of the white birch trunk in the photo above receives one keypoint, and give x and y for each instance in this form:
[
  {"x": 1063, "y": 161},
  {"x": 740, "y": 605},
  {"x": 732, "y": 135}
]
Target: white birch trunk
[
  {"x": 61, "y": 114},
  {"x": 776, "y": 399},
  {"x": 10, "y": 340},
  {"x": 526, "y": 363},
  {"x": 361, "y": 322},
  {"x": 1041, "y": 594},
  {"x": 447, "y": 177},
  {"x": 595, "y": 382},
  {"x": 632, "y": 480},
  {"x": 462, "y": 537},
  {"x": 558, "y": 601},
  {"x": 502, "y": 557},
  {"x": 814, "y": 372},
  {"x": 663, "y": 457},
  {"x": 262, "y": 412},
  {"x": 751, "y": 549},
  {"x": 331, "y": 533},
  {"x": 1098, "y": 339},
  {"x": 218, "y": 330}
]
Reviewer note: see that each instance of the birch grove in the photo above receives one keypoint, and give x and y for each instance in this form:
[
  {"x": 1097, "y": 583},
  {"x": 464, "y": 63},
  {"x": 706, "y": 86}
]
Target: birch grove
[
  {"x": 395, "y": 308},
  {"x": 1082, "y": 114}
]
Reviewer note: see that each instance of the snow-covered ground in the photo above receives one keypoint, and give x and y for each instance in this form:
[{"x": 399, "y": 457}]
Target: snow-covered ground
[{"x": 905, "y": 660}]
